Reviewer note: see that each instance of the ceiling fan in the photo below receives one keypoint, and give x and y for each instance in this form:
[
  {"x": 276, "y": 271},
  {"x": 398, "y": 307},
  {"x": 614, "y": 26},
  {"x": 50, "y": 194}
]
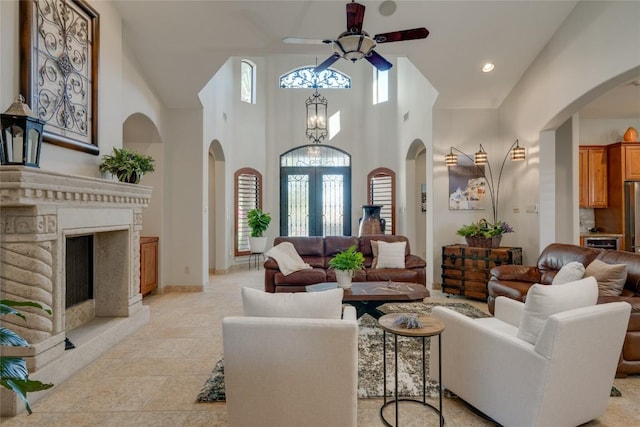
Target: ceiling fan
[{"x": 355, "y": 44}]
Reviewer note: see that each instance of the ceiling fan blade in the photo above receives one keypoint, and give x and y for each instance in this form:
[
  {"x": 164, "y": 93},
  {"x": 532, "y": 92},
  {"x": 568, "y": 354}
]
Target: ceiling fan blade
[
  {"x": 297, "y": 40},
  {"x": 355, "y": 17},
  {"x": 378, "y": 61},
  {"x": 398, "y": 36},
  {"x": 327, "y": 63}
]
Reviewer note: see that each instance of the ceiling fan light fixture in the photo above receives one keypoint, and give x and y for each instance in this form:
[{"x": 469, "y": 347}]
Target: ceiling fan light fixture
[{"x": 354, "y": 46}]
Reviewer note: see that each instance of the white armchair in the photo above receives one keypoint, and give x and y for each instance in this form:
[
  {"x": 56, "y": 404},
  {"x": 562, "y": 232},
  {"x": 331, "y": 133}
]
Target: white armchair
[
  {"x": 564, "y": 379},
  {"x": 283, "y": 371}
]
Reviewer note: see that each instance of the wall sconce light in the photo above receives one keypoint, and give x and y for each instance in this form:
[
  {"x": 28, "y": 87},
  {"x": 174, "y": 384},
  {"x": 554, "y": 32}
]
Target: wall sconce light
[
  {"x": 481, "y": 158},
  {"x": 316, "y": 118},
  {"x": 20, "y": 135}
]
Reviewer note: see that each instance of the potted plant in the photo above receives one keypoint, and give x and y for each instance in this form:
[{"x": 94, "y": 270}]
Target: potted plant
[
  {"x": 14, "y": 373},
  {"x": 484, "y": 234},
  {"x": 345, "y": 263},
  {"x": 127, "y": 165},
  {"x": 258, "y": 222}
]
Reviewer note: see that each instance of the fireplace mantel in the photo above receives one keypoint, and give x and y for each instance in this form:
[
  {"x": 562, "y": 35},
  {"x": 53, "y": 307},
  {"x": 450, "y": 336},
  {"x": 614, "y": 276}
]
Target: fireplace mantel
[{"x": 38, "y": 211}]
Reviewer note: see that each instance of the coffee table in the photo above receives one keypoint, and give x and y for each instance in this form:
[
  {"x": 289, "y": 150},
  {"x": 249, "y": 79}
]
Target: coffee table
[{"x": 366, "y": 297}]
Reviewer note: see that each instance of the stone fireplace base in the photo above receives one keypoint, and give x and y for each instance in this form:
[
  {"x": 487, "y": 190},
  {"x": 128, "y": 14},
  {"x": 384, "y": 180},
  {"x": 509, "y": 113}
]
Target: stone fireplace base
[{"x": 38, "y": 211}]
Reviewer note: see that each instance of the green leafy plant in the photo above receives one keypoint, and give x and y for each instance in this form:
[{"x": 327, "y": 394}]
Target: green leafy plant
[
  {"x": 14, "y": 374},
  {"x": 483, "y": 228},
  {"x": 348, "y": 260},
  {"x": 127, "y": 165},
  {"x": 258, "y": 222}
]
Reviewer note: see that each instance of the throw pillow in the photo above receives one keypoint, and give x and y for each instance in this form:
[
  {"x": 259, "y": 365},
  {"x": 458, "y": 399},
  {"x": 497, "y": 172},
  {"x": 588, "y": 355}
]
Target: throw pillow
[
  {"x": 569, "y": 273},
  {"x": 390, "y": 255},
  {"x": 546, "y": 300},
  {"x": 287, "y": 258},
  {"x": 610, "y": 277},
  {"x": 313, "y": 305}
]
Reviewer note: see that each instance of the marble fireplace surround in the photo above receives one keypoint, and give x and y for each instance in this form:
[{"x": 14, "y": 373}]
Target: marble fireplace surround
[{"x": 38, "y": 211}]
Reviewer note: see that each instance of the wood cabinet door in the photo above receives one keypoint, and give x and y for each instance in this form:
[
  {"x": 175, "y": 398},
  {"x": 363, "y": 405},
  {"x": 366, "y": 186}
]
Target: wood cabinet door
[
  {"x": 598, "y": 178},
  {"x": 632, "y": 162},
  {"x": 148, "y": 265},
  {"x": 584, "y": 177}
]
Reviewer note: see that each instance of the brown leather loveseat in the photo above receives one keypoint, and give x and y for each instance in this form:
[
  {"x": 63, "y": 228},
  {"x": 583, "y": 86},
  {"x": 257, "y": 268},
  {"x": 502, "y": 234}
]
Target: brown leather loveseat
[
  {"x": 318, "y": 251},
  {"x": 514, "y": 281}
]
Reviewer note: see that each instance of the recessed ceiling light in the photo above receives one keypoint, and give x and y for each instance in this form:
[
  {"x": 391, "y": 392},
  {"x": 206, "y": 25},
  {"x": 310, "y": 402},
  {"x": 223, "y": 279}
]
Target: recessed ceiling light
[
  {"x": 488, "y": 67},
  {"x": 387, "y": 8}
]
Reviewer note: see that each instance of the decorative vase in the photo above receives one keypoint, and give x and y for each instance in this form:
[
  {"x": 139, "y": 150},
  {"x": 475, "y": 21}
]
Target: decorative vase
[
  {"x": 631, "y": 135},
  {"x": 484, "y": 242},
  {"x": 343, "y": 277},
  {"x": 371, "y": 223}
]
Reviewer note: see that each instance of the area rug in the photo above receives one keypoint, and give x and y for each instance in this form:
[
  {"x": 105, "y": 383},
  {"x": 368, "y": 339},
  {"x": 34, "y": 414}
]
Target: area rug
[{"x": 370, "y": 361}]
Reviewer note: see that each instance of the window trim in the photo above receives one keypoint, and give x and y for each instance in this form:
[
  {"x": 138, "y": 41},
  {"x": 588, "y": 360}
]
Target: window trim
[
  {"x": 382, "y": 172},
  {"x": 237, "y": 219}
]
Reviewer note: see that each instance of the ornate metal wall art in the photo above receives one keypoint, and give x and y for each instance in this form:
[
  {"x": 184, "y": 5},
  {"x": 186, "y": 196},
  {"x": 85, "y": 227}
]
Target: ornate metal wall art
[
  {"x": 59, "y": 69},
  {"x": 306, "y": 78}
]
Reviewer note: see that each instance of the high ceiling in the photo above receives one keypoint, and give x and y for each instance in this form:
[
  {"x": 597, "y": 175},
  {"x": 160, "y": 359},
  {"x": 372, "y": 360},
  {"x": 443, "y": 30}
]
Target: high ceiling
[{"x": 180, "y": 45}]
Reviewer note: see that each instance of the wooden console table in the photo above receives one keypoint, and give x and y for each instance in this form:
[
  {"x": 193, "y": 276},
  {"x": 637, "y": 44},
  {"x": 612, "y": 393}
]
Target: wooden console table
[{"x": 466, "y": 270}]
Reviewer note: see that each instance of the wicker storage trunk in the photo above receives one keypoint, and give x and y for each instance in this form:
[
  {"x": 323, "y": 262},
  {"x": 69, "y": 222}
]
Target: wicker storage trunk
[{"x": 466, "y": 270}]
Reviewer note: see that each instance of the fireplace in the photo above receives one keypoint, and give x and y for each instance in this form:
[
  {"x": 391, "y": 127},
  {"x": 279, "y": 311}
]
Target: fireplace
[{"x": 40, "y": 213}]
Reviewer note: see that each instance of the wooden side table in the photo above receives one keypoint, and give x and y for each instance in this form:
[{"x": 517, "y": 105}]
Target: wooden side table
[{"x": 430, "y": 327}]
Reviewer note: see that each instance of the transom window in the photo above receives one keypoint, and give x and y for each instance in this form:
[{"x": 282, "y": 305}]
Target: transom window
[
  {"x": 306, "y": 78},
  {"x": 247, "y": 81},
  {"x": 380, "y": 86}
]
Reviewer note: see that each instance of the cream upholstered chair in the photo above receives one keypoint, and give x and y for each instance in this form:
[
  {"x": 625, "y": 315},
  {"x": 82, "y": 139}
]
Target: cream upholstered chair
[
  {"x": 549, "y": 361},
  {"x": 299, "y": 368}
]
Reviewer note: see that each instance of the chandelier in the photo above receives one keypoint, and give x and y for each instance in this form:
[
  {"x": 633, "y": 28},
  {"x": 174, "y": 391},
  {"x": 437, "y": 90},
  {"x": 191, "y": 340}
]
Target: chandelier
[{"x": 316, "y": 118}]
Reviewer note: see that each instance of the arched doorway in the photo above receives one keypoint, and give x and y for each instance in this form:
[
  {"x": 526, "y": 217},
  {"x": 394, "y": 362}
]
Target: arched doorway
[
  {"x": 417, "y": 189},
  {"x": 216, "y": 207}
]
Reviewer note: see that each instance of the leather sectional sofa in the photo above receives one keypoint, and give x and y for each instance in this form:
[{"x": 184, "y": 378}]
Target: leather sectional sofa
[
  {"x": 318, "y": 251},
  {"x": 513, "y": 281}
]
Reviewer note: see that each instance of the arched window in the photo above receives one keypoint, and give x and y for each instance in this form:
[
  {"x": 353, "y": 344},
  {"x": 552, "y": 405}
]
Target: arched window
[
  {"x": 248, "y": 195},
  {"x": 381, "y": 189},
  {"x": 247, "y": 81},
  {"x": 306, "y": 78}
]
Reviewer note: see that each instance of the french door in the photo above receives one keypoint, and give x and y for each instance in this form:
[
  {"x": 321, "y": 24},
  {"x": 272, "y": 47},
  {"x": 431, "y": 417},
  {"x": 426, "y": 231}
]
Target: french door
[{"x": 315, "y": 198}]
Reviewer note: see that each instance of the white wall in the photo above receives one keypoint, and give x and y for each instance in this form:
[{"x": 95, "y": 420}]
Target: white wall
[
  {"x": 605, "y": 131},
  {"x": 595, "y": 50}
]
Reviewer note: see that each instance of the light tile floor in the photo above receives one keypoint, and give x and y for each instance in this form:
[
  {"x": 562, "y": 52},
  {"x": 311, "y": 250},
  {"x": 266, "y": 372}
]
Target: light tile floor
[{"x": 153, "y": 376}]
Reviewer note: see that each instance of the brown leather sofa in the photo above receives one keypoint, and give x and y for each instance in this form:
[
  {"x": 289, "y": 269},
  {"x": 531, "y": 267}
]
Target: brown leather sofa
[
  {"x": 514, "y": 281},
  {"x": 318, "y": 251}
]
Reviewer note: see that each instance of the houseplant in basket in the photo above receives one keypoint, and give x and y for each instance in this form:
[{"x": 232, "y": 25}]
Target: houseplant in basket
[
  {"x": 484, "y": 234},
  {"x": 258, "y": 222},
  {"x": 345, "y": 263},
  {"x": 127, "y": 165}
]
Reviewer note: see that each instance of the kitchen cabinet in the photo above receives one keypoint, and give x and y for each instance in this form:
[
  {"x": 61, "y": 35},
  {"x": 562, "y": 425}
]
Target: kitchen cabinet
[
  {"x": 148, "y": 264},
  {"x": 593, "y": 176},
  {"x": 623, "y": 164},
  {"x": 632, "y": 162}
]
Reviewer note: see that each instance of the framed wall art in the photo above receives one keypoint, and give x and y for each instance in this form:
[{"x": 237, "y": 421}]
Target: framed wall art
[
  {"x": 59, "y": 46},
  {"x": 467, "y": 186}
]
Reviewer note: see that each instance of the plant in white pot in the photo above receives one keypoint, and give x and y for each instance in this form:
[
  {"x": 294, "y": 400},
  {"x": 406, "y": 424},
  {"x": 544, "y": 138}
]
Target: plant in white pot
[
  {"x": 258, "y": 222},
  {"x": 345, "y": 263}
]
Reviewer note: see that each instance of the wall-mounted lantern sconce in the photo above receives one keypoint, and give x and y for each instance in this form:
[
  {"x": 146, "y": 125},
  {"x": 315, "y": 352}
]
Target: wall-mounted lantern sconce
[{"x": 20, "y": 135}]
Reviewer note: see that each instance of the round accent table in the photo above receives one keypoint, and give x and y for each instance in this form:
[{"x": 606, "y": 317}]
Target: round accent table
[{"x": 430, "y": 327}]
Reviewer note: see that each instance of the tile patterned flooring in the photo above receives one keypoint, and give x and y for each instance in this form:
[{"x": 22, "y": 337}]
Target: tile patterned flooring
[{"x": 152, "y": 377}]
